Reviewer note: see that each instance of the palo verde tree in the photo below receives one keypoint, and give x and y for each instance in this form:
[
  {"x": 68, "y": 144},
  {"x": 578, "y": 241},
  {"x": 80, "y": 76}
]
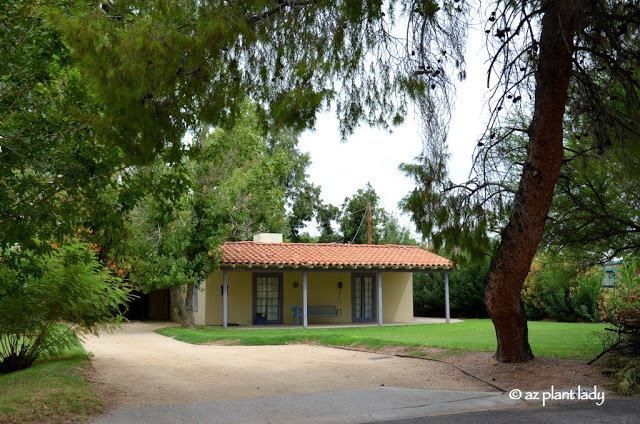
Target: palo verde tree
[{"x": 160, "y": 68}]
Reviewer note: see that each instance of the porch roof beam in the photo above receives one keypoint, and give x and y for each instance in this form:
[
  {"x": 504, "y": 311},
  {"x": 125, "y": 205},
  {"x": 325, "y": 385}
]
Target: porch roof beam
[{"x": 296, "y": 268}]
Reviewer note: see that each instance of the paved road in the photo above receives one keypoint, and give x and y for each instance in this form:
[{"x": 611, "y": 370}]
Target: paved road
[
  {"x": 612, "y": 411},
  {"x": 385, "y": 405},
  {"x": 351, "y": 406}
]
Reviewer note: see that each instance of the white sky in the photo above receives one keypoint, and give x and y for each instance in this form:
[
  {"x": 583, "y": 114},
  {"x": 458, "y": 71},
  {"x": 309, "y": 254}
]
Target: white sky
[{"x": 371, "y": 155}]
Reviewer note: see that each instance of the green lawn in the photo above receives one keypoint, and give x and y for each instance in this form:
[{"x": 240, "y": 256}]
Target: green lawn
[
  {"x": 555, "y": 339},
  {"x": 52, "y": 391}
]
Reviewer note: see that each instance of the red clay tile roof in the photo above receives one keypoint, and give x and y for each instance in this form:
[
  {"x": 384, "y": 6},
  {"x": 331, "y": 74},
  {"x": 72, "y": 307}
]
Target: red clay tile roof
[{"x": 329, "y": 255}]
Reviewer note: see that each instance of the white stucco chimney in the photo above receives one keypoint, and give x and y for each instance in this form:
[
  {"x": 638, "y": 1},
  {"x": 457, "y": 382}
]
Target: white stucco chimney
[{"x": 268, "y": 237}]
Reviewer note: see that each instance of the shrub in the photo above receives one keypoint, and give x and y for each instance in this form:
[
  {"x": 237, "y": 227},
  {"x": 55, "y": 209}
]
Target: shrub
[
  {"x": 466, "y": 292},
  {"x": 532, "y": 305},
  {"x": 556, "y": 288},
  {"x": 553, "y": 283},
  {"x": 625, "y": 373},
  {"x": 621, "y": 309},
  {"x": 40, "y": 290},
  {"x": 586, "y": 295},
  {"x": 428, "y": 295}
]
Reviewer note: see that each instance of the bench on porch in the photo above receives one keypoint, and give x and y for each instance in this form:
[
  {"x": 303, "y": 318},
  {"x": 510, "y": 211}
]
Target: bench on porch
[{"x": 316, "y": 311}]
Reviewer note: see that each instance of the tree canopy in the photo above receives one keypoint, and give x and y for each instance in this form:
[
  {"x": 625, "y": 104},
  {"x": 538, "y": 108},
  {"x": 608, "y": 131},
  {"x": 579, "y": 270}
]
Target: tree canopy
[
  {"x": 162, "y": 69},
  {"x": 54, "y": 164},
  {"x": 349, "y": 222},
  {"x": 234, "y": 183}
]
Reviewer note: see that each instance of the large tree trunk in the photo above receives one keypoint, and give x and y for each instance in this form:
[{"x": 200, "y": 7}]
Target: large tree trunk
[
  {"x": 541, "y": 170},
  {"x": 183, "y": 303}
]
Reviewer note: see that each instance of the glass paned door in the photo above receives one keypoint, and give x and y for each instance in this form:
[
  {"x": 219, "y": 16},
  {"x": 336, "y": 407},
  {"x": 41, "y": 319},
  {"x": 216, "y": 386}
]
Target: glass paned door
[
  {"x": 363, "y": 298},
  {"x": 268, "y": 300}
]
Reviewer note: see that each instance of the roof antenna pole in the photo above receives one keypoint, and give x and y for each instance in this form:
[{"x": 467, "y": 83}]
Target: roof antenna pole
[{"x": 368, "y": 222}]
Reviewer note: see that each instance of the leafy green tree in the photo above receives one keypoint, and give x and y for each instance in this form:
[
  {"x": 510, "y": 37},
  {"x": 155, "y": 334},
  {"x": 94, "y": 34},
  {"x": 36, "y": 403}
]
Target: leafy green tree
[
  {"x": 392, "y": 232},
  {"x": 60, "y": 171},
  {"x": 353, "y": 216},
  {"x": 52, "y": 161},
  {"x": 170, "y": 239},
  {"x": 351, "y": 221},
  {"x": 235, "y": 182},
  {"x": 326, "y": 215},
  {"x": 38, "y": 291}
]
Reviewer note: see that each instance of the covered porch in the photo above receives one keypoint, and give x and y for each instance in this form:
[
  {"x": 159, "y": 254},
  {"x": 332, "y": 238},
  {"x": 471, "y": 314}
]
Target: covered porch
[
  {"x": 329, "y": 297},
  {"x": 293, "y": 284}
]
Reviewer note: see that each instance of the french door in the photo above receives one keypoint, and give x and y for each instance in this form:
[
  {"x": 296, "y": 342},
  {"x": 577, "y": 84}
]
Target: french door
[
  {"x": 364, "y": 297},
  {"x": 267, "y": 298}
]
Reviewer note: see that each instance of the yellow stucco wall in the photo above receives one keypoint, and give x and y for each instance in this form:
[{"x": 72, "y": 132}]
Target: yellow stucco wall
[
  {"x": 322, "y": 290},
  {"x": 240, "y": 300},
  {"x": 397, "y": 296}
]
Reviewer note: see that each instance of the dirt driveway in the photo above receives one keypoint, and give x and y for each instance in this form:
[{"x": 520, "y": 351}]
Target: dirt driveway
[{"x": 137, "y": 367}]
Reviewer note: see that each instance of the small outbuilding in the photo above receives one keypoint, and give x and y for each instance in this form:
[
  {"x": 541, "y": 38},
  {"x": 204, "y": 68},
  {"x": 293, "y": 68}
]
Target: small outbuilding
[{"x": 266, "y": 281}]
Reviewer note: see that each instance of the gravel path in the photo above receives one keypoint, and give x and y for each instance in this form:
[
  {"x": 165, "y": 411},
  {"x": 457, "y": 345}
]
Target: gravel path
[{"x": 141, "y": 368}]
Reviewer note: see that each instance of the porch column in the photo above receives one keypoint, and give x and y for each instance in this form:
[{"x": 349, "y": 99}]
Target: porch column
[
  {"x": 225, "y": 290},
  {"x": 379, "y": 298},
  {"x": 447, "y": 314},
  {"x": 305, "y": 321}
]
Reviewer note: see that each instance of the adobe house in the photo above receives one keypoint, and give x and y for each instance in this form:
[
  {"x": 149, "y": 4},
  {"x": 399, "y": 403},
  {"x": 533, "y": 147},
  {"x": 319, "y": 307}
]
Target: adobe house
[{"x": 266, "y": 281}]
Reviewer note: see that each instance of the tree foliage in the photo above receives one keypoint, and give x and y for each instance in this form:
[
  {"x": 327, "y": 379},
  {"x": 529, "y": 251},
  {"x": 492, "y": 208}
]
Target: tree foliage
[
  {"x": 596, "y": 205},
  {"x": 38, "y": 291},
  {"x": 52, "y": 162},
  {"x": 594, "y": 200},
  {"x": 354, "y": 213},
  {"x": 59, "y": 168},
  {"x": 234, "y": 183},
  {"x": 199, "y": 60},
  {"x": 349, "y": 223}
]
